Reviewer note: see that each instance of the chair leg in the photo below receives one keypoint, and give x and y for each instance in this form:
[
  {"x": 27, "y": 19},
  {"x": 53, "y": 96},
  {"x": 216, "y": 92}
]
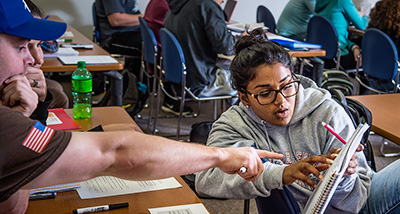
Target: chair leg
[
  {"x": 385, "y": 143},
  {"x": 246, "y": 206},
  {"x": 178, "y": 131},
  {"x": 152, "y": 97},
  {"x": 215, "y": 109},
  {"x": 157, "y": 106}
]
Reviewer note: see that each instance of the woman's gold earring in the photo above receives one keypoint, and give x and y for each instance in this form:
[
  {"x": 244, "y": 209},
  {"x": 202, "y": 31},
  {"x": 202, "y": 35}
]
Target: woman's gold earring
[{"x": 247, "y": 106}]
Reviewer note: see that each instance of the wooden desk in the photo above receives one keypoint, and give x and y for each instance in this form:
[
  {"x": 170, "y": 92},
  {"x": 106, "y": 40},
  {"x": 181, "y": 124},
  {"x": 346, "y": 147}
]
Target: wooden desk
[
  {"x": 385, "y": 114},
  {"x": 138, "y": 203},
  {"x": 52, "y": 64}
]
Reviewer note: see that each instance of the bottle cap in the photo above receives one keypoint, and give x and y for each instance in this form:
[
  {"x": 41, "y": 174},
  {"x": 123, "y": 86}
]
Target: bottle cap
[{"x": 81, "y": 64}]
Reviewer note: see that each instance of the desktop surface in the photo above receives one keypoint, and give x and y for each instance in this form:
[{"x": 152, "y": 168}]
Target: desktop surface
[
  {"x": 66, "y": 202},
  {"x": 385, "y": 115}
]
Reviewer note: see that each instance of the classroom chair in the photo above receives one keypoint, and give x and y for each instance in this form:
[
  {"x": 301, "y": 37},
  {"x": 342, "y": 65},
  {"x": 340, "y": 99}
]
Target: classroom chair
[
  {"x": 265, "y": 15},
  {"x": 174, "y": 70},
  {"x": 321, "y": 31},
  {"x": 150, "y": 56},
  {"x": 380, "y": 63},
  {"x": 96, "y": 32}
]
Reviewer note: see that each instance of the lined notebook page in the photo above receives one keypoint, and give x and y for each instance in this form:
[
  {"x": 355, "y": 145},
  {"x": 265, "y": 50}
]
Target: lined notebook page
[{"x": 90, "y": 60}]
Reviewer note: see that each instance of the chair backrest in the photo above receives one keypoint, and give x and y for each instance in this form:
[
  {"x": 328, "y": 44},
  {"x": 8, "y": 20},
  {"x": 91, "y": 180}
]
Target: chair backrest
[
  {"x": 321, "y": 31},
  {"x": 379, "y": 55},
  {"x": 265, "y": 15},
  {"x": 96, "y": 32},
  {"x": 280, "y": 201},
  {"x": 150, "y": 47},
  {"x": 173, "y": 60}
]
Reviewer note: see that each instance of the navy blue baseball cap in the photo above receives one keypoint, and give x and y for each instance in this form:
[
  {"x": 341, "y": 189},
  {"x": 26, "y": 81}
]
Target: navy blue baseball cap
[{"x": 16, "y": 19}]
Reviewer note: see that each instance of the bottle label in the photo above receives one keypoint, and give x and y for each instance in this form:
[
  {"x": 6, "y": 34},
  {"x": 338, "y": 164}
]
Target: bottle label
[{"x": 82, "y": 86}]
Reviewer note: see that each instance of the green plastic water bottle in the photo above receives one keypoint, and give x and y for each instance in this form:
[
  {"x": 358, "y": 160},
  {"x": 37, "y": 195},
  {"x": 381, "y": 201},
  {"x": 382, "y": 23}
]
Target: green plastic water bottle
[{"x": 82, "y": 92}]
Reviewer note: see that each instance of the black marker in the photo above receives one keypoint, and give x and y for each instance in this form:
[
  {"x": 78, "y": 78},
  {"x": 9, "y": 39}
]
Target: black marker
[
  {"x": 41, "y": 196},
  {"x": 100, "y": 208}
]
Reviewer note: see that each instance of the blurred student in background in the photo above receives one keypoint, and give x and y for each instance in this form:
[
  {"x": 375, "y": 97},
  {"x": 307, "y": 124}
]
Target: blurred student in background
[
  {"x": 294, "y": 19},
  {"x": 341, "y": 13}
]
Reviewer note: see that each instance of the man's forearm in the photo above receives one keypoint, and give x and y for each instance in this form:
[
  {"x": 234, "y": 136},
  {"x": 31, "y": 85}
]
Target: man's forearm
[
  {"x": 17, "y": 203},
  {"x": 124, "y": 19},
  {"x": 136, "y": 156}
]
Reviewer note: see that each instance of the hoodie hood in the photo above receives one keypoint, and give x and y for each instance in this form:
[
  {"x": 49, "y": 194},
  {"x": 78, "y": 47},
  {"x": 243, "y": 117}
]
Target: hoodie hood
[
  {"x": 176, "y": 5},
  {"x": 310, "y": 96}
]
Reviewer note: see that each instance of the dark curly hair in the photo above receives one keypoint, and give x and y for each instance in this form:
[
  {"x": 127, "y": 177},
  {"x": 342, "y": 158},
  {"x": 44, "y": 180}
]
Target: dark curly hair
[
  {"x": 385, "y": 16},
  {"x": 251, "y": 51}
]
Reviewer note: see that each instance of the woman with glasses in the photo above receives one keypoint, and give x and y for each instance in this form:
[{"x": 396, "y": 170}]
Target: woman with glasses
[{"x": 282, "y": 112}]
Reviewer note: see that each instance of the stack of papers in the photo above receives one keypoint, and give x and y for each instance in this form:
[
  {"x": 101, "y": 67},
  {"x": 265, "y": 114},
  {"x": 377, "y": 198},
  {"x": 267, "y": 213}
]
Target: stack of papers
[
  {"x": 62, "y": 52},
  {"x": 78, "y": 45},
  {"x": 90, "y": 60},
  {"x": 241, "y": 26},
  {"x": 56, "y": 188}
]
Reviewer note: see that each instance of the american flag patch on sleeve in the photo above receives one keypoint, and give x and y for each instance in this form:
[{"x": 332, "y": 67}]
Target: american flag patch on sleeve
[{"x": 38, "y": 137}]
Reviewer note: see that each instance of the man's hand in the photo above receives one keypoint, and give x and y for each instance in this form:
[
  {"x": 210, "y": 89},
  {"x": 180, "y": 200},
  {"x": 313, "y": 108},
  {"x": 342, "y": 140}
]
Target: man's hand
[
  {"x": 37, "y": 81},
  {"x": 18, "y": 95},
  {"x": 248, "y": 157},
  {"x": 301, "y": 169}
]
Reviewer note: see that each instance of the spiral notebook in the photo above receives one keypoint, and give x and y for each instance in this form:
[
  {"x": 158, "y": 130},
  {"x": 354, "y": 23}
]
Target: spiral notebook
[{"x": 321, "y": 196}]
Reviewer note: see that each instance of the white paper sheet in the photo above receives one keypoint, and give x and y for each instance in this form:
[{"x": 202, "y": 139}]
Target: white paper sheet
[
  {"x": 240, "y": 26},
  {"x": 183, "y": 209},
  {"x": 62, "y": 52},
  {"x": 109, "y": 186},
  {"x": 90, "y": 60}
]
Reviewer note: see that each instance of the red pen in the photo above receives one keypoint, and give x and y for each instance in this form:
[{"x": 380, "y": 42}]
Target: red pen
[{"x": 333, "y": 132}]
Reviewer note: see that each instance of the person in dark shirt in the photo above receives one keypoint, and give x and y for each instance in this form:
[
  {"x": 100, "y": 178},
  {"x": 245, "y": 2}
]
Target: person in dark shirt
[{"x": 33, "y": 155}]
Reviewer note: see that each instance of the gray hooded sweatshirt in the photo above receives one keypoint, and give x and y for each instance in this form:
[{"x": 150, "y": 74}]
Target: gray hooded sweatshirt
[{"x": 303, "y": 137}]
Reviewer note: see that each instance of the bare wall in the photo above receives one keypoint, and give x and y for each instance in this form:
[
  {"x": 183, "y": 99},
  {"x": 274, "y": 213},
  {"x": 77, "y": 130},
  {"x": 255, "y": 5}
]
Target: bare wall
[{"x": 78, "y": 13}]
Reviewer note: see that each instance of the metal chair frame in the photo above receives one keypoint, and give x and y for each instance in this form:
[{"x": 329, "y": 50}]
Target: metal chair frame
[{"x": 150, "y": 55}]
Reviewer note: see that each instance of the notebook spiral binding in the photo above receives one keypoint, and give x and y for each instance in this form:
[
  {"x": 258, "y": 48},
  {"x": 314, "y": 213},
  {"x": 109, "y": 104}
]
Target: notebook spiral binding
[{"x": 322, "y": 198}]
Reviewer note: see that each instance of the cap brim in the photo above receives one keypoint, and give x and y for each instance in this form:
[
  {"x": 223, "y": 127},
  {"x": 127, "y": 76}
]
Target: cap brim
[{"x": 39, "y": 29}]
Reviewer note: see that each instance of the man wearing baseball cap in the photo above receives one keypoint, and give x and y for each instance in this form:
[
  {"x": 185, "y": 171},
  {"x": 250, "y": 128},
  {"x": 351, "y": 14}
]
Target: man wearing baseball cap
[{"x": 33, "y": 155}]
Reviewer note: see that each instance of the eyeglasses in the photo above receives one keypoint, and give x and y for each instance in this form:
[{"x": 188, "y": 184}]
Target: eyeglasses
[{"x": 268, "y": 96}]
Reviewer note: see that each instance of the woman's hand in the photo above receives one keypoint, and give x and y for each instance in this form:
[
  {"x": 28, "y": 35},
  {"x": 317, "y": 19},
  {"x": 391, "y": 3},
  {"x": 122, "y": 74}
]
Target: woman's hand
[
  {"x": 353, "y": 164},
  {"x": 301, "y": 169}
]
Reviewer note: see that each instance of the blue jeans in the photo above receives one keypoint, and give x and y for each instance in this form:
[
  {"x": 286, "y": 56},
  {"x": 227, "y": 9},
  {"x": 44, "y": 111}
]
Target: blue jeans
[{"x": 385, "y": 191}]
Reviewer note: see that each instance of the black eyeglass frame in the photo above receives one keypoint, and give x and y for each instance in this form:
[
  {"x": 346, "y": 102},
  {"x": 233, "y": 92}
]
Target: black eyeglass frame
[{"x": 255, "y": 96}]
